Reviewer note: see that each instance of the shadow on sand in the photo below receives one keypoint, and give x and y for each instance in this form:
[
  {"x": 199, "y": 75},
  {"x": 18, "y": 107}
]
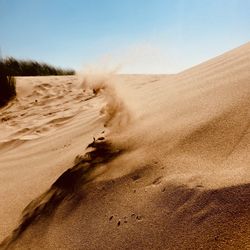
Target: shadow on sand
[{"x": 66, "y": 186}]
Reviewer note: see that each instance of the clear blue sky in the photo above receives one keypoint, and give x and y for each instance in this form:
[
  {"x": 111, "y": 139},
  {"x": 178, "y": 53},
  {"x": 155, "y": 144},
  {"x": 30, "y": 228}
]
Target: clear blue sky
[{"x": 146, "y": 36}]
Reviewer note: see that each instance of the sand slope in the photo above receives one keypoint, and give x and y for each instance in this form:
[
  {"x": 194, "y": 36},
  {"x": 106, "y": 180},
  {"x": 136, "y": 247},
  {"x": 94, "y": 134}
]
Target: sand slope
[
  {"x": 170, "y": 171},
  {"x": 39, "y": 140}
]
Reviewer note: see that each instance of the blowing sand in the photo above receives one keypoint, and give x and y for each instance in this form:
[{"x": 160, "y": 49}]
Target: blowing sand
[{"x": 168, "y": 167}]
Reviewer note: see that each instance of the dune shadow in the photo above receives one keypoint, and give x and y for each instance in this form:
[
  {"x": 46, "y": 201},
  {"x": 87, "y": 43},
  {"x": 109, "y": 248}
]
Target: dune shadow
[
  {"x": 218, "y": 216},
  {"x": 66, "y": 186}
]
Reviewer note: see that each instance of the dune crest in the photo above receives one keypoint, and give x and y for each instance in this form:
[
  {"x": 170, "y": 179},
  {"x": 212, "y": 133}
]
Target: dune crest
[{"x": 169, "y": 171}]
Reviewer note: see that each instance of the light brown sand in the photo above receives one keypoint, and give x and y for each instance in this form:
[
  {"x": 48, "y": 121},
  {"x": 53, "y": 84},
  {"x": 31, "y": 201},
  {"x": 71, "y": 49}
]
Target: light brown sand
[{"x": 172, "y": 172}]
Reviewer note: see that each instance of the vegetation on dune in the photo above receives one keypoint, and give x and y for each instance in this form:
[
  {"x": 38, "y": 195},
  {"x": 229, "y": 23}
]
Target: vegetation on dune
[
  {"x": 33, "y": 68},
  {"x": 7, "y": 85},
  {"x": 10, "y": 67}
]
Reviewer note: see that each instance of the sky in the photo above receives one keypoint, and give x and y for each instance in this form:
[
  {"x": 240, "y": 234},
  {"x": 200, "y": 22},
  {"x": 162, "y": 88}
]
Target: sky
[{"x": 137, "y": 36}]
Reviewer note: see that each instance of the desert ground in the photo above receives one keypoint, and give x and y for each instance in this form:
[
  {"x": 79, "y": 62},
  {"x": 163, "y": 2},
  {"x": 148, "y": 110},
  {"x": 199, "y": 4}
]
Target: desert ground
[{"x": 111, "y": 161}]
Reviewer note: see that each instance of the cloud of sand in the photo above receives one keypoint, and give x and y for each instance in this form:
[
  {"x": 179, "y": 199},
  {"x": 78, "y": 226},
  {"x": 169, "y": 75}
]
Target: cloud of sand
[
  {"x": 115, "y": 112},
  {"x": 145, "y": 57},
  {"x": 100, "y": 79}
]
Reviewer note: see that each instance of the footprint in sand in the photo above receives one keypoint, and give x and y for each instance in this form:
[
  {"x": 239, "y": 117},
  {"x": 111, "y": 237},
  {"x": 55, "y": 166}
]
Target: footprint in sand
[
  {"x": 42, "y": 107},
  {"x": 136, "y": 217},
  {"x": 124, "y": 220}
]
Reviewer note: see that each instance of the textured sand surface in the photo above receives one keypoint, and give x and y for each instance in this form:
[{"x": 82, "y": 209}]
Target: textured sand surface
[{"x": 170, "y": 170}]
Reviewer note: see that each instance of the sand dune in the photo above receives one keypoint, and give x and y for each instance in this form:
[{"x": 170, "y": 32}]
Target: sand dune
[{"x": 167, "y": 167}]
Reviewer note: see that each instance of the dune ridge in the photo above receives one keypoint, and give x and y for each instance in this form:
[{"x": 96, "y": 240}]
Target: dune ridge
[{"x": 172, "y": 175}]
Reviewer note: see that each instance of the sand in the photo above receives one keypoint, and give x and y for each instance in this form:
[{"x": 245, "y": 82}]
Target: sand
[{"x": 167, "y": 167}]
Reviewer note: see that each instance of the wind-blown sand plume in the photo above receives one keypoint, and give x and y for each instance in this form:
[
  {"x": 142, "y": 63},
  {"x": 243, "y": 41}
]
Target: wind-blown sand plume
[
  {"x": 116, "y": 113},
  {"x": 176, "y": 177}
]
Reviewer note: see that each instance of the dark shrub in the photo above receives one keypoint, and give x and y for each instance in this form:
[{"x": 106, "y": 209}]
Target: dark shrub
[
  {"x": 33, "y": 68},
  {"x": 10, "y": 67},
  {"x": 7, "y": 85}
]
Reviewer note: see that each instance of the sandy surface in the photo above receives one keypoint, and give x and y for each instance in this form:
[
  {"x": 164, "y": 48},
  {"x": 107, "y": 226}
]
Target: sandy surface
[{"x": 170, "y": 169}]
